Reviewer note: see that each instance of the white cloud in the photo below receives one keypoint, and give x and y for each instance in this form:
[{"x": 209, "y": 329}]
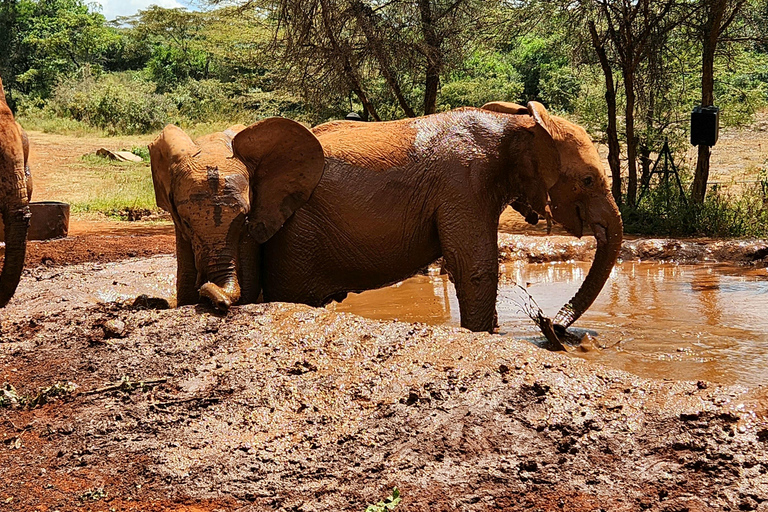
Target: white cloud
[{"x": 113, "y": 8}]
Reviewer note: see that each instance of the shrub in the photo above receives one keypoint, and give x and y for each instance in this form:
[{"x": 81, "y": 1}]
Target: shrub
[
  {"x": 662, "y": 212},
  {"x": 115, "y": 102},
  {"x": 486, "y": 77}
]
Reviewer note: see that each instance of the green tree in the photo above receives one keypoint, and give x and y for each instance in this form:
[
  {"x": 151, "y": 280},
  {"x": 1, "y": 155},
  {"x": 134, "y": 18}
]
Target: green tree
[{"x": 48, "y": 38}]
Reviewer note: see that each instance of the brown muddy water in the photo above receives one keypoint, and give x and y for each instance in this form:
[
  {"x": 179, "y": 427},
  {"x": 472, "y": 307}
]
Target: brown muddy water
[
  {"x": 701, "y": 321},
  {"x": 659, "y": 320}
]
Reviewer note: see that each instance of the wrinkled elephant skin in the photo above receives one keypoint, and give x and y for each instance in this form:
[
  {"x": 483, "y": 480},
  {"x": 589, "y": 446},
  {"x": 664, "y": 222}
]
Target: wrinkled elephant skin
[
  {"x": 228, "y": 192},
  {"x": 397, "y": 195},
  {"x": 15, "y": 192}
]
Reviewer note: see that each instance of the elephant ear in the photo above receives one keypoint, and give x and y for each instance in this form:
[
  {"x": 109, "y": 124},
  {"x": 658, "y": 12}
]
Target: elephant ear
[
  {"x": 545, "y": 146},
  {"x": 505, "y": 107},
  {"x": 169, "y": 148},
  {"x": 285, "y": 161}
]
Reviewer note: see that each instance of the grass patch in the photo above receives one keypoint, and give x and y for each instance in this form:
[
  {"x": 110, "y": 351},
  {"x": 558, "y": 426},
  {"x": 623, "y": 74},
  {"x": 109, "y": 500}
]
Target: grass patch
[
  {"x": 39, "y": 122},
  {"x": 112, "y": 188}
]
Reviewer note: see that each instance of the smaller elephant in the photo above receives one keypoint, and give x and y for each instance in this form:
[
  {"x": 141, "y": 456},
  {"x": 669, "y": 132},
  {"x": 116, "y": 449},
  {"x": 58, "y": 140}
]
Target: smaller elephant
[
  {"x": 15, "y": 191},
  {"x": 228, "y": 192}
]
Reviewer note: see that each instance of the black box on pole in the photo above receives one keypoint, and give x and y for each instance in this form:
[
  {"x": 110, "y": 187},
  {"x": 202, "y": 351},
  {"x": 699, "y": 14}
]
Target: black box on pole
[{"x": 705, "y": 125}]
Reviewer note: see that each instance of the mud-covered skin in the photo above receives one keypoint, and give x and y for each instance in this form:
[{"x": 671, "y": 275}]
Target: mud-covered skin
[
  {"x": 283, "y": 407},
  {"x": 14, "y": 198},
  {"x": 227, "y": 192},
  {"x": 397, "y": 195}
]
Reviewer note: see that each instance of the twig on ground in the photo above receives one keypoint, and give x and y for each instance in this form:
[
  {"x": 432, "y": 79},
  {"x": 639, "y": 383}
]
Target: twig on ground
[{"x": 126, "y": 385}]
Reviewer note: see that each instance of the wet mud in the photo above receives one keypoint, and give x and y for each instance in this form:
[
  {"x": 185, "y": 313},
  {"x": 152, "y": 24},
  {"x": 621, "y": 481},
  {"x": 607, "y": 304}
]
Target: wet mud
[{"x": 285, "y": 407}]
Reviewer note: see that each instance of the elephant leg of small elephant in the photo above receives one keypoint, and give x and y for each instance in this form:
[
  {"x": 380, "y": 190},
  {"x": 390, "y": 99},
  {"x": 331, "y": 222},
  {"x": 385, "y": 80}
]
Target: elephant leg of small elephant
[
  {"x": 473, "y": 264},
  {"x": 248, "y": 269},
  {"x": 186, "y": 273}
]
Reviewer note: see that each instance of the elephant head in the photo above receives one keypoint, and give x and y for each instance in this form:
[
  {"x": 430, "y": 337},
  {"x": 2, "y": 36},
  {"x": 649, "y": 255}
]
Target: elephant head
[
  {"x": 578, "y": 195},
  {"x": 228, "y": 192},
  {"x": 14, "y": 199}
]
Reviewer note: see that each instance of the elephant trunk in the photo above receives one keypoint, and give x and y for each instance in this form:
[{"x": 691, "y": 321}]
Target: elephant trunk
[
  {"x": 222, "y": 288},
  {"x": 608, "y": 233},
  {"x": 16, "y": 222}
]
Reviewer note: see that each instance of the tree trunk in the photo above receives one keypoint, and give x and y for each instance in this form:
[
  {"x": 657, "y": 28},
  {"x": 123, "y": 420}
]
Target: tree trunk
[
  {"x": 433, "y": 56},
  {"x": 629, "y": 91},
  {"x": 612, "y": 133},
  {"x": 710, "y": 35}
]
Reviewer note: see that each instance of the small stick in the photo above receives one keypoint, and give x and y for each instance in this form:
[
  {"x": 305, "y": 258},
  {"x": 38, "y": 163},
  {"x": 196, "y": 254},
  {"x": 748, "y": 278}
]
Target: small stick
[
  {"x": 186, "y": 400},
  {"x": 125, "y": 383}
]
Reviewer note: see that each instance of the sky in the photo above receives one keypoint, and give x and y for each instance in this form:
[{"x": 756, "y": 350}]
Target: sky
[{"x": 113, "y": 8}]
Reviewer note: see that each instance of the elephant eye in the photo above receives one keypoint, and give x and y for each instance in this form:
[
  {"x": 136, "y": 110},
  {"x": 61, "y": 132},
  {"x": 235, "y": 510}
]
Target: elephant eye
[{"x": 588, "y": 181}]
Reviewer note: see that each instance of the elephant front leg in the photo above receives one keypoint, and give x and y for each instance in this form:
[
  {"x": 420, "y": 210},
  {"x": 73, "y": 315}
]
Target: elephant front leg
[
  {"x": 474, "y": 267},
  {"x": 186, "y": 273},
  {"x": 248, "y": 269}
]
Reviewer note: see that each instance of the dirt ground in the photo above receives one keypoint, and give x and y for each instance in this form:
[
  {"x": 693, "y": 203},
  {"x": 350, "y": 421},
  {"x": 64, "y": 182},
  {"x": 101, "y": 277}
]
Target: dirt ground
[{"x": 116, "y": 406}]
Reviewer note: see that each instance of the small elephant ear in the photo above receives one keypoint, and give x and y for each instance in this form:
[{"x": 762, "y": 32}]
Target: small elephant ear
[
  {"x": 505, "y": 107},
  {"x": 545, "y": 145},
  {"x": 169, "y": 148},
  {"x": 285, "y": 161},
  {"x": 540, "y": 114},
  {"x": 234, "y": 130}
]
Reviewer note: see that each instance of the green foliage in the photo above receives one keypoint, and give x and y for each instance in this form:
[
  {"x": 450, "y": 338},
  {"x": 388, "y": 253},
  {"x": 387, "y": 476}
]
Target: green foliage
[
  {"x": 741, "y": 86},
  {"x": 142, "y": 151},
  {"x": 115, "y": 102},
  {"x": 170, "y": 65},
  {"x": 662, "y": 212},
  {"x": 44, "y": 39},
  {"x": 9, "y": 397},
  {"x": 544, "y": 65},
  {"x": 485, "y": 77},
  {"x": 389, "y": 503}
]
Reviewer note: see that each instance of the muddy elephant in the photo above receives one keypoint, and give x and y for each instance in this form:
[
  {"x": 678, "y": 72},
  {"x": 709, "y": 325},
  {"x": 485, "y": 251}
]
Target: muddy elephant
[
  {"x": 395, "y": 196},
  {"x": 14, "y": 198},
  {"x": 228, "y": 192}
]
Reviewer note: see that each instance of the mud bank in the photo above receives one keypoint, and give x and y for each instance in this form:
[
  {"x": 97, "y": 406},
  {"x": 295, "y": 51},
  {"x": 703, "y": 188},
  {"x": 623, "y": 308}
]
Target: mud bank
[
  {"x": 536, "y": 249},
  {"x": 285, "y": 407}
]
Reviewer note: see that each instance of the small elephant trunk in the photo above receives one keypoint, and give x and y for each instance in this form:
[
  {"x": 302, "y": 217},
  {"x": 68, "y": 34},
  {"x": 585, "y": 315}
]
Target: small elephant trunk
[{"x": 223, "y": 295}]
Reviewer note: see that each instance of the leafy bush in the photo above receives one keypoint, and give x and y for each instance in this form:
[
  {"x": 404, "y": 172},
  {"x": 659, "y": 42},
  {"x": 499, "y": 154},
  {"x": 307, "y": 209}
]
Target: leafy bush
[
  {"x": 662, "y": 212},
  {"x": 203, "y": 100},
  {"x": 115, "y": 102},
  {"x": 486, "y": 77}
]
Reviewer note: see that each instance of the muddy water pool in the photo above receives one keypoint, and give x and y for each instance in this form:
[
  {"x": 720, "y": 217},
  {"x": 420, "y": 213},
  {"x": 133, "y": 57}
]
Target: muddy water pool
[{"x": 691, "y": 322}]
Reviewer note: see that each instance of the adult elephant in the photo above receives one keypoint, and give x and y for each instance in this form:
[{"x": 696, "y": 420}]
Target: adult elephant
[
  {"x": 397, "y": 195},
  {"x": 228, "y": 192},
  {"x": 14, "y": 198}
]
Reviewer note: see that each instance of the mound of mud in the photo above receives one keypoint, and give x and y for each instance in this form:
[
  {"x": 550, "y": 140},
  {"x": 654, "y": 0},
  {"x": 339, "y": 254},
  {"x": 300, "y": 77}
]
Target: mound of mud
[
  {"x": 285, "y": 407},
  {"x": 567, "y": 248}
]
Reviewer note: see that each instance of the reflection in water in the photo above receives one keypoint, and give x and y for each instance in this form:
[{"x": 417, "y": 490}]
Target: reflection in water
[{"x": 672, "y": 321}]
